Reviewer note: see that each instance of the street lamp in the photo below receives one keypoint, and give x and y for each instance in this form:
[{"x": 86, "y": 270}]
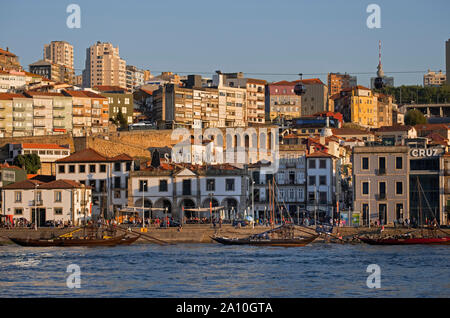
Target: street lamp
[
  {"x": 144, "y": 183},
  {"x": 35, "y": 208},
  {"x": 253, "y": 202}
]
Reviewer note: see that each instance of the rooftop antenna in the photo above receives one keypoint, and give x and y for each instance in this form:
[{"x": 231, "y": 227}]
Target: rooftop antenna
[{"x": 379, "y": 80}]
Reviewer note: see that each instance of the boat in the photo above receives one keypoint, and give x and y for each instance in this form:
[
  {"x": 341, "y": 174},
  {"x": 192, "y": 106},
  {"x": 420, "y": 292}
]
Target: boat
[
  {"x": 281, "y": 236},
  {"x": 407, "y": 241},
  {"x": 119, "y": 240},
  {"x": 129, "y": 240}
]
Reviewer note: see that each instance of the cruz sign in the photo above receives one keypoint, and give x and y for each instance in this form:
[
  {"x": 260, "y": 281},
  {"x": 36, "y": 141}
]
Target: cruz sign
[{"x": 428, "y": 152}]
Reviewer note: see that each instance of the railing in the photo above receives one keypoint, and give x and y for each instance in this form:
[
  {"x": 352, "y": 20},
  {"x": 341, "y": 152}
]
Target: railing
[
  {"x": 38, "y": 202},
  {"x": 380, "y": 196},
  {"x": 380, "y": 172}
]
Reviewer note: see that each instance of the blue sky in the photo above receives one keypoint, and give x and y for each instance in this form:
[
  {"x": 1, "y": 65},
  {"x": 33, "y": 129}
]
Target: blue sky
[{"x": 253, "y": 36}]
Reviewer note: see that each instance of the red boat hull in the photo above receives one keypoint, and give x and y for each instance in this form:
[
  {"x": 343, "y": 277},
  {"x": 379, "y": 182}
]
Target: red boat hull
[{"x": 408, "y": 241}]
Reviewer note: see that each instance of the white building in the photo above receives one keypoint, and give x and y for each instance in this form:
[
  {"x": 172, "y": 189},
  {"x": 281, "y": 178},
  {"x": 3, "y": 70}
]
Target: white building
[
  {"x": 108, "y": 177},
  {"x": 59, "y": 200},
  {"x": 323, "y": 184},
  {"x": 180, "y": 189}
]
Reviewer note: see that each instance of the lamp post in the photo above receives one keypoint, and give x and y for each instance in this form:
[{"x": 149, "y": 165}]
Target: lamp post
[
  {"x": 35, "y": 208},
  {"x": 253, "y": 202},
  {"x": 144, "y": 183},
  {"x": 315, "y": 206},
  {"x": 368, "y": 208}
]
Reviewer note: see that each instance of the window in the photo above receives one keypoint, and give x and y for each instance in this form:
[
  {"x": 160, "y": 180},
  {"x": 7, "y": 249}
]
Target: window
[
  {"x": 117, "y": 182},
  {"x": 117, "y": 166},
  {"x": 117, "y": 194},
  {"x": 71, "y": 168},
  {"x": 163, "y": 186},
  {"x": 210, "y": 185},
  {"x": 312, "y": 180},
  {"x": 61, "y": 169},
  {"x": 229, "y": 185},
  {"x": 18, "y": 211},
  {"x": 322, "y": 180},
  {"x": 322, "y": 164},
  {"x": 92, "y": 168},
  {"x": 18, "y": 196},
  {"x": 82, "y": 168},
  {"x": 382, "y": 164},
  {"x": 365, "y": 188},
  {"x": 143, "y": 185},
  {"x": 322, "y": 197},
  {"x": 186, "y": 187},
  {"x": 312, "y": 164},
  {"x": 382, "y": 187},
  {"x": 102, "y": 168},
  {"x": 58, "y": 196},
  {"x": 365, "y": 163},
  {"x": 398, "y": 163},
  {"x": 399, "y": 187},
  {"x": 128, "y": 166},
  {"x": 58, "y": 211}
]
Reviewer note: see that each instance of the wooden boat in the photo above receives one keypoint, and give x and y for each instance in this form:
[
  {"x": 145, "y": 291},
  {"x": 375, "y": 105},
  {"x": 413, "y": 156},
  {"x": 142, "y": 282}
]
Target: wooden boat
[
  {"x": 281, "y": 236},
  {"x": 265, "y": 242},
  {"x": 74, "y": 241},
  {"x": 407, "y": 241},
  {"x": 129, "y": 240}
]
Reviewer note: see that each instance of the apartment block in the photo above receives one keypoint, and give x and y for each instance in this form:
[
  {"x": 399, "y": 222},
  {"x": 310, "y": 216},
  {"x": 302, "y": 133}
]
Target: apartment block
[
  {"x": 337, "y": 82},
  {"x": 119, "y": 100},
  {"x": 55, "y": 72},
  {"x": 434, "y": 79},
  {"x": 281, "y": 101},
  {"x": 104, "y": 66},
  {"x": 59, "y": 52},
  {"x": 134, "y": 77},
  {"x": 315, "y": 99}
]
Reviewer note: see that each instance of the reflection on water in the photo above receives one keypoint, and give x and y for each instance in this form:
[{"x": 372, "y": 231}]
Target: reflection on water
[{"x": 212, "y": 270}]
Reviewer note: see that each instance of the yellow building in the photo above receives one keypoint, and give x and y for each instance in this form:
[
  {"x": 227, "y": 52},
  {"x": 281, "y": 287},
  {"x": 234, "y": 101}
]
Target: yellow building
[{"x": 358, "y": 105}]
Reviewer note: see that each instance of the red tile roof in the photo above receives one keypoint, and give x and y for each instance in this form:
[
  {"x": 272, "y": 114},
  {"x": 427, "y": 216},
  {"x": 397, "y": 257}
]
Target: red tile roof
[
  {"x": 2, "y": 51},
  {"x": 10, "y": 96},
  {"x": 36, "y": 93},
  {"x": 309, "y": 81},
  {"x": 90, "y": 155},
  {"x": 42, "y": 146},
  {"x": 319, "y": 154},
  {"x": 394, "y": 128},
  {"x": 61, "y": 184},
  {"x": 25, "y": 185}
]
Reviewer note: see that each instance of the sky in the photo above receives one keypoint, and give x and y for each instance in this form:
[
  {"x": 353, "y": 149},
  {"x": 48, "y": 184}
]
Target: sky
[{"x": 258, "y": 37}]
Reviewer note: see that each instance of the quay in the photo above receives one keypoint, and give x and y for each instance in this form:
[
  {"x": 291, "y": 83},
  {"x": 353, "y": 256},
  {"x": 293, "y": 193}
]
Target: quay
[{"x": 194, "y": 233}]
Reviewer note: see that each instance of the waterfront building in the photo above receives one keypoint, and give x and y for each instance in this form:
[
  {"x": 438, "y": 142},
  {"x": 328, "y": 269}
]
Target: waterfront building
[
  {"x": 9, "y": 61},
  {"x": 281, "y": 101},
  {"x": 59, "y": 52},
  {"x": 183, "y": 188},
  {"x": 104, "y": 67},
  {"x": 322, "y": 185},
  {"x": 358, "y": 105},
  {"x": 338, "y": 82},
  {"x": 60, "y": 200},
  {"x": 392, "y": 183},
  {"x": 119, "y": 100},
  {"x": 108, "y": 177},
  {"x": 434, "y": 79}
]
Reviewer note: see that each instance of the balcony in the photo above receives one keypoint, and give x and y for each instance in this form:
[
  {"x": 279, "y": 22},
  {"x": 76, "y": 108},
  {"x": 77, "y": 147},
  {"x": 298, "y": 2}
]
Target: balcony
[
  {"x": 37, "y": 202},
  {"x": 39, "y": 115},
  {"x": 61, "y": 107},
  {"x": 19, "y": 118},
  {"x": 380, "y": 196},
  {"x": 19, "y": 108},
  {"x": 380, "y": 172},
  {"x": 59, "y": 117}
]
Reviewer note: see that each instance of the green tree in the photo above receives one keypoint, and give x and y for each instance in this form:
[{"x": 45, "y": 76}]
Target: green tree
[
  {"x": 414, "y": 117},
  {"x": 121, "y": 120},
  {"x": 31, "y": 162}
]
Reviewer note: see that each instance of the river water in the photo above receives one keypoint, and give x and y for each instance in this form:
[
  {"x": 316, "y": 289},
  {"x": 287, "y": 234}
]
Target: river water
[{"x": 213, "y": 270}]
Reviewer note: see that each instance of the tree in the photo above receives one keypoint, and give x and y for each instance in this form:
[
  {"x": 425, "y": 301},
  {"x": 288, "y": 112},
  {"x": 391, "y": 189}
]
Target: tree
[
  {"x": 121, "y": 120},
  {"x": 414, "y": 117},
  {"x": 31, "y": 162}
]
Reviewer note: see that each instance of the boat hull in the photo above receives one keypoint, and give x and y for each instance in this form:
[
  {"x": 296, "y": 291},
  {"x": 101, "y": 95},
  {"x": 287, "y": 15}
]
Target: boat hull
[
  {"x": 409, "y": 241},
  {"x": 72, "y": 242},
  {"x": 270, "y": 242}
]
